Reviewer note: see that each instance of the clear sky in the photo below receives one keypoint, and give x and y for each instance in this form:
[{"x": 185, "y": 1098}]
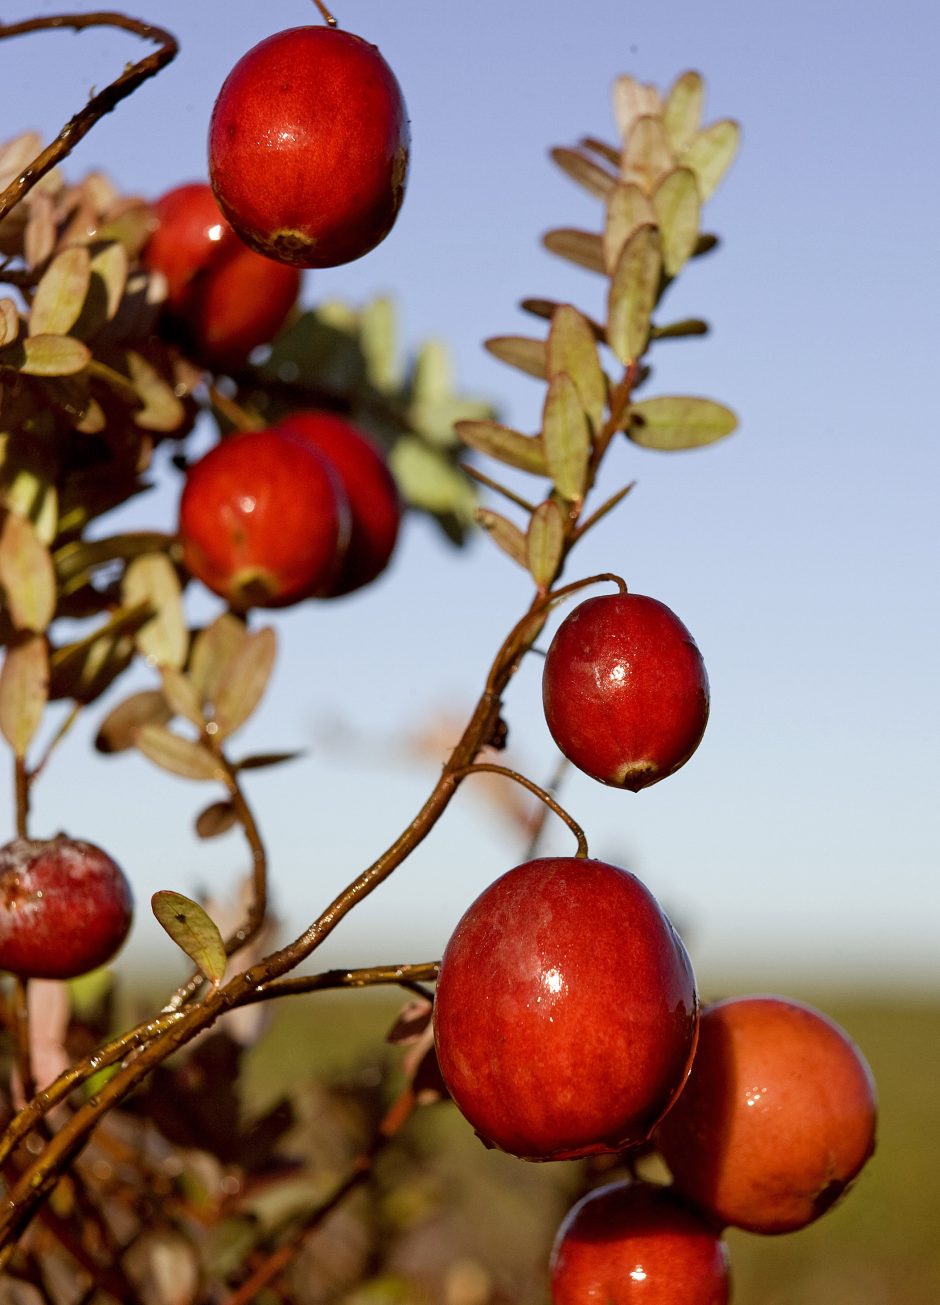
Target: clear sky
[{"x": 802, "y": 552}]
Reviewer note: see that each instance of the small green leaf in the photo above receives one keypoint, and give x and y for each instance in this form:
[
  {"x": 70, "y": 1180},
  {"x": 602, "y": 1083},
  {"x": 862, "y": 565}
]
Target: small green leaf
[
  {"x": 61, "y": 293},
  {"x": 505, "y": 534},
  {"x": 429, "y": 480},
  {"x": 633, "y": 99},
  {"x": 567, "y": 438},
  {"x": 212, "y": 651},
  {"x": 544, "y": 543},
  {"x": 179, "y": 756},
  {"x": 711, "y": 154},
  {"x": 519, "y": 351},
  {"x": 581, "y": 247},
  {"x": 679, "y": 422},
  {"x": 679, "y": 330},
  {"x": 49, "y": 355},
  {"x": 628, "y": 208},
  {"x": 24, "y": 688},
  {"x": 647, "y": 156},
  {"x": 9, "y": 322},
  {"x": 261, "y": 760},
  {"x": 677, "y": 205},
  {"x": 152, "y": 578},
  {"x": 682, "y": 114},
  {"x": 508, "y": 446},
  {"x": 27, "y": 482},
  {"x": 595, "y": 179},
  {"x": 26, "y": 574},
  {"x": 108, "y": 280},
  {"x": 193, "y": 931},
  {"x": 377, "y": 338},
  {"x": 182, "y": 696},
  {"x": 217, "y": 818},
  {"x": 119, "y": 729},
  {"x": 633, "y": 293},
  {"x": 161, "y": 410},
  {"x": 572, "y": 348},
  {"x": 244, "y": 681}
]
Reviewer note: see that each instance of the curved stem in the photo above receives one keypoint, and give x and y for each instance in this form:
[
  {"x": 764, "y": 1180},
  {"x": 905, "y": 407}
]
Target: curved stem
[
  {"x": 487, "y": 767},
  {"x": 103, "y": 102}
]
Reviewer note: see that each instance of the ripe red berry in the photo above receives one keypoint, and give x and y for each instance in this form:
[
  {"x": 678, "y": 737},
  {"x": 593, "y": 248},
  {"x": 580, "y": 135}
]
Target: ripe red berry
[
  {"x": 308, "y": 147},
  {"x": 65, "y": 907},
  {"x": 223, "y": 299},
  {"x": 374, "y": 504},
  {"x": 263, "y": 520},
  {"x": 637, "y": 1244},
  {"x": 777, "y": 1118},
  {"x": 625, "y": 690},
  {"x": 565, "y": 1014}
]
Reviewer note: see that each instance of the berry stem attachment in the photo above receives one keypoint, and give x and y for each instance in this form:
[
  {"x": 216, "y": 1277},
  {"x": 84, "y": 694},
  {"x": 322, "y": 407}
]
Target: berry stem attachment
[
  {"x": 483, "y": 767},
  {"x": 328, "y": 18}
]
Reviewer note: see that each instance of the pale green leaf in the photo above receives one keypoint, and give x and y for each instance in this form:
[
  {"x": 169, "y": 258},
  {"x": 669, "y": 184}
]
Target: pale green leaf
[
  {"x": 679, "y": 422},
  {"x": 377, "y": 339},
  {"x": 647, "y": 156},
  {"x": 50, "y": 355},
  {"x": 119, "y": 729},
  {"x": 508, "y": 446},
  {"x": 632, "y": 100},
  {"x": 26, "y": 484},
  {"x": 711, "y": 154},
  {"x": 182, "y": 696},
  {"x": 581, "y": 247},
  {"x": 26, "y": 574},
  {"x": 108, "y": 280},
  {"x": 9, "y": 322},
  {"x": 628, "y": 209},
  {"x": 505, "y": 534},
  {"x": 682, "y": 114},
  {"x": 567, "y": 438},
  {"x": 544, "y": 543},
  {"x": 572, "y": 348},
  {"x": 633, "y": 293},
  {"x": 519, "y": 351},
  {"x": 677, "y": 204},
  {"x": 212, "y": 651},
  {"x": 244, "y": 681},
  {"x": 176, "y": 754},
  {"x": 151, "y": 578},
  {"x": 24, "y": 688},
  {"x": 430, "y": 481},
  {"x": 594, "y": 179},
  {"x": 161, "y": 410},
  {"x": 194, "y": 931},
  {"x": 60, "y": 294}
]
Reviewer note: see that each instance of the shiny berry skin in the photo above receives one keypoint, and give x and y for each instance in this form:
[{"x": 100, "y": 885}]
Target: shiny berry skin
[
  {"x": 263, "y": 520},
  {"x": 374, "y": 505},
  {"x": 634, "y": 1243},
  {"x": 223, "y": 299},
  {"x": 565, "y": 1014},
  {"x": 777, "y": 1118},
  {"x": 308, "y": 147},
  {"x": 625, "y": 690},
  {"x": 65, "y": 908}
]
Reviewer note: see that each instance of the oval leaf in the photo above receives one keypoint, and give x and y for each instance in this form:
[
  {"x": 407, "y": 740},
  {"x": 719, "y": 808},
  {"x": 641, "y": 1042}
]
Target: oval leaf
[
  {"x": 680, "y": 422},
  {"x": 572, "y": 348},
  {"x": 9, "y": 322},
  {"x": 633, "y": 293},
  {"x": 244, "y": 682},
  {"x": 581, "y": 247},
  {"x": 509, "y": 446},
  {"x": 682, "y": 113},
  {"x": 711, "y": 154},
  {"x": 161, "y": 410},
  {"x": 628, "y": 208},
  {"x": 179, "y": 756},
  {"x": 182, "y": 696},
  {"x": 24, "y": 688},
  {"x": 595, "y": 179},
  {"x": 677, "y": 205},
  {"x": 567, "y": 438},
  {"x": 632, "y": 100},
  {"x": 52, "y": 355},
  {"x": 647, "y": 156},
  {"x": 213, "y": 649},
  {"x": 61, "y": 293},
  {"x": 544, "y": 543},
  {"x": 519, "y": 351},
  {"x": 26, "y": 574},
  {"x": 152, "y": 579},
  {"x": 193, "y": 931},
  {"x": 504, "y": 534},
  {"x": 119, "y": 729},
  {"x": 217, "y": 818}
]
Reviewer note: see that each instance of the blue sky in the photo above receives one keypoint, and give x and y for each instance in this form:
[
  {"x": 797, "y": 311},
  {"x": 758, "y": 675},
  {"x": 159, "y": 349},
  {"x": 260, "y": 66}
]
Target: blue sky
[{"x": 802, "y": 837}]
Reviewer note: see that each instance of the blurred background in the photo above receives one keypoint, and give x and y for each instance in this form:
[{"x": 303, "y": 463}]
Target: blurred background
[{"x": 797, "y": 850}]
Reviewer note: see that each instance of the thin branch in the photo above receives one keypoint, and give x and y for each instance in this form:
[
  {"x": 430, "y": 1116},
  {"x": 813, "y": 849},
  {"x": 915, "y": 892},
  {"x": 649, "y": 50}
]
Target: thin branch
[{"x": 103, "y": 102}]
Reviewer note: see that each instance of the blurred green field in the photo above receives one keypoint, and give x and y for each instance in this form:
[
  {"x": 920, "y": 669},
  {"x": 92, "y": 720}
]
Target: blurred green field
[{"x": 493, "y": 1217}]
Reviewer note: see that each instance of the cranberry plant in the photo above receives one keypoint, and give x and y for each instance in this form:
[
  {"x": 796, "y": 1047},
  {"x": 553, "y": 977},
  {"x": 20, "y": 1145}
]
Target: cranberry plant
[{"x": 568, "y": 1016}]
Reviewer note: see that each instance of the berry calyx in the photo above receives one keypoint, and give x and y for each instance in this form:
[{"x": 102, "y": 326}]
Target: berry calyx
[
  {"x": 565, "y": 1014},
  {"x": 308, "y": 147},
  {"x": 65, "y": 908},
  {"x": 777, "y": 1118},
  {"x": 223, "y": 299},
  {"x": 263, "y": 520},
  {"x": 634, "y": 1243},
  {"x": 625, "y": 690},
  {"x": 374, "y": 504}
]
